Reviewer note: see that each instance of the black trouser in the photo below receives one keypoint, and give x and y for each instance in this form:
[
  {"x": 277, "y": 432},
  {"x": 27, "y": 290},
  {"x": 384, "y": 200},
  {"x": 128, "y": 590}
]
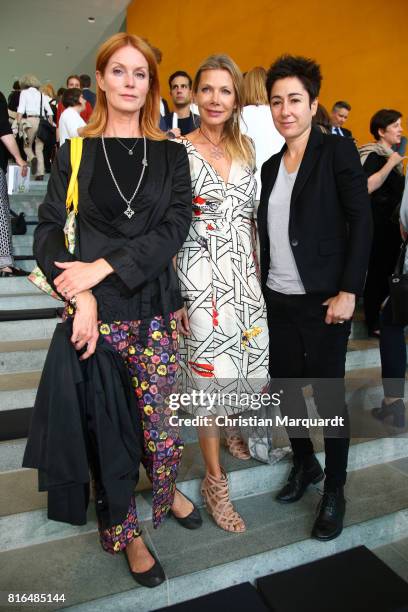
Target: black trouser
[
  {"x": 384, "y": 253},
  {"x": 303, "y": 347},
  {"x": 393, "y": 354}
]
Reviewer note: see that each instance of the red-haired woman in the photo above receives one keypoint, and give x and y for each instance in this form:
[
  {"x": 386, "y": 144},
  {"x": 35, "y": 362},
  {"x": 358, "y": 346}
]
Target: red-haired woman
[{"x": 134, "y": 215}]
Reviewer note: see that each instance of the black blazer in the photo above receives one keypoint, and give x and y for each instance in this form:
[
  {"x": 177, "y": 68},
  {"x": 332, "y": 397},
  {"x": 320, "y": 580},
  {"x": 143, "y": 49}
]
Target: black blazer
[
  {"x": 330, "y": 225},
  {"x": 346, "y": 132}
]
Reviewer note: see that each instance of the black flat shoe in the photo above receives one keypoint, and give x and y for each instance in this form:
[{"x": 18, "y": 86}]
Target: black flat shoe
[
  {"x": 152, "y": 578},
  {"x": 300, "y": 477},
  {"x": 329, "y": 522},
  {"x": 192, "y": 520},
  {"x": 394, "y": 412}
]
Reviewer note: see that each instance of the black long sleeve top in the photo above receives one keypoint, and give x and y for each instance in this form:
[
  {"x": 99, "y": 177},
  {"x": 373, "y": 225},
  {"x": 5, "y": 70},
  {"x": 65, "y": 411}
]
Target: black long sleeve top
[
  {"x": 386, "y": 199},
  {"x": 140, "y": 249}
]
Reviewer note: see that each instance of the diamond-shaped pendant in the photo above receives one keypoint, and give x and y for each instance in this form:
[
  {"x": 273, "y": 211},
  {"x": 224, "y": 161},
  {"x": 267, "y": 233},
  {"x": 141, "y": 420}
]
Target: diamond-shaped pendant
[{"x": 129, "y": 212}]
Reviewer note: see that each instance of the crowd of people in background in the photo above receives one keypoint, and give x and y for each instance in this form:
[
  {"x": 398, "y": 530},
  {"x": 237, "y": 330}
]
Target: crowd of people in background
[{"x": 184, "y": 255}]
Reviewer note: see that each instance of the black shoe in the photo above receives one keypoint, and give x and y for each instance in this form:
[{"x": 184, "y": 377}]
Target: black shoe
[
  {"x": 34, "y": 164},
  {"x": 395, "y": 412},
  {"x": 14, "y": 272},
  {"x": 40, "y": 177},
  {"x": 153, "y": 577},
  {"x": 300, "y": 477},
  {"x": 329, "y": 522},
  {"x": 192, "y": 520}
]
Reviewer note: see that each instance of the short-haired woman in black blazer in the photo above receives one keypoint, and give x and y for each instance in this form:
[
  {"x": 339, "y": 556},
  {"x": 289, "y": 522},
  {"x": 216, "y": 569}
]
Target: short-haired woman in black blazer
[{"x": 315, "y": 234}]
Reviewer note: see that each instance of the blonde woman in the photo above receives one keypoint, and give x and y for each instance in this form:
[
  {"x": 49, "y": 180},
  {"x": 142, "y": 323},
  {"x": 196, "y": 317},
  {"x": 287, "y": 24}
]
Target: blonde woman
[
  {"x": 134, "y": 215},
  {"x": 257, "y": 122},
  {"x": 225, "y": 344}
]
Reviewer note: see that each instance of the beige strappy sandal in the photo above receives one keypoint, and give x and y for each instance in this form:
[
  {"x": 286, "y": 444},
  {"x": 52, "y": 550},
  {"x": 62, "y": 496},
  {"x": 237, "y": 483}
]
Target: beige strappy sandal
[
  {"x": 237, "y": 446},
  {"x": 216, "y": 497}
]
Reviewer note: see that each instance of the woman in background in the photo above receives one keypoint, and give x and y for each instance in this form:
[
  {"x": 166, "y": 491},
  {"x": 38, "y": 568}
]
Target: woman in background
[
  {"x": 257, "y": 123},
  {"x": 384, "y": 171}
]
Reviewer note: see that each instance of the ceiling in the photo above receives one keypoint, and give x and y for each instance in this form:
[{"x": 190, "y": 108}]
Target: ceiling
[{"x": 36, "y": 27}]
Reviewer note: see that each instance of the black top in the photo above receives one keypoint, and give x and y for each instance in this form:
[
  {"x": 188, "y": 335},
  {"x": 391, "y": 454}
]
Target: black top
[
  {"x": 386, "y": 199},
  {"x": 4, "y": 129},
  {"x": 14, "y": 99},
  {"x": 139, "y": 249},
  {"x": 186, "y": 125},
  {"x": 330, "y": 224},
  {"x": 126, "y": 169}
]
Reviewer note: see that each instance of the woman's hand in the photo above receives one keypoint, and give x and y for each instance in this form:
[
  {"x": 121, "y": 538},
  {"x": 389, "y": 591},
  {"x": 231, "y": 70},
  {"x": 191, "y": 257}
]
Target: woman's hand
[
  {"x": 79, "y": 276},
  {"x": 183, "y": 325},
  {"x": 340, "y": 308},
  {"x": 85, "y": 325}
]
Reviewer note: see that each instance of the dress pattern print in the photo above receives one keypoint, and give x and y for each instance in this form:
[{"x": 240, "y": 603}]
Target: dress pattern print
[{"x": 227, "y": 350}]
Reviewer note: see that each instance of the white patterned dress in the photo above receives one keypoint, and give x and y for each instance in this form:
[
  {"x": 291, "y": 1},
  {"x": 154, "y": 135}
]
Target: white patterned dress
[{"x": 227, "y": 351}]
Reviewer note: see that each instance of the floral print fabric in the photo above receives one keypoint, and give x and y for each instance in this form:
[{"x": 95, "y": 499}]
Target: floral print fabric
[{"x": 152, "y": 360}]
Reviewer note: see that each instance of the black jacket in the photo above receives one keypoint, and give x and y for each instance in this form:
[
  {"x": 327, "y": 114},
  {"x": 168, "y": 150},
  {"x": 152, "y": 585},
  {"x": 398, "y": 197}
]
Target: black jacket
[
  {"x": 139, "y": 249},
  {"x": 85, "y": 416},
  {"x": 330, "y": 225}
]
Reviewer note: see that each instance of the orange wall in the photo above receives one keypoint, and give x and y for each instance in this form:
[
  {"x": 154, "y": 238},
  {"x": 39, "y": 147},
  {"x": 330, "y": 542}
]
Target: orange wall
[{"x": 361, "y": 44}]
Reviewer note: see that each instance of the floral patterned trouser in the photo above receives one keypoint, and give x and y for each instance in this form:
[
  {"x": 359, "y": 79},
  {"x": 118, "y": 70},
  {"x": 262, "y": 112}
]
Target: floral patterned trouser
[{"x": 152, "y": 361}]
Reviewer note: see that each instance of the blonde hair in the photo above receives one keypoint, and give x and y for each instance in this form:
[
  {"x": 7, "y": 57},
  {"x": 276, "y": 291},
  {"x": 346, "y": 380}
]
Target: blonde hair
[
  {"x": 29, "y": 80},
  {"x": 255, "y": 86},
  {"x": 237, "y": 145},
  {"x": 150, "y": 113},
  {"x": 48, "y": 90}
]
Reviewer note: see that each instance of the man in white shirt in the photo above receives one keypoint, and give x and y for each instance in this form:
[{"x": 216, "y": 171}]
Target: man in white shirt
[
  {"x": 34, "y": 106},
  {"x": 339, "y": 116},
  {"x": 71, "y": 120}
]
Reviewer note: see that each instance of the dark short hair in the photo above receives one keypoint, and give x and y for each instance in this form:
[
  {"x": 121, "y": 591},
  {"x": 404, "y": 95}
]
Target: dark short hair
[
  {"x": 180, "y": 73},
  {"x": 85, "y": 80},
  {"x": 382, "y": 119},
  {"x": 72, "y": 76},
  {"x": 305, "y": 69},
  {"x": 341, "y": 104},
  {"x": 70, "y": 97},
  {"x": 16, "y": 85},
  {"x": 60, "y": 91}
]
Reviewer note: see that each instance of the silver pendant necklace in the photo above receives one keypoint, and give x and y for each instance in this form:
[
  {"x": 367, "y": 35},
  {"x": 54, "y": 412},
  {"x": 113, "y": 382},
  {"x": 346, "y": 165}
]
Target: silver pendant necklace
[
  {"x": 129, "y": 212},
  {"x": 130, "y": 151},
  {"x": 215, "y": 152}
]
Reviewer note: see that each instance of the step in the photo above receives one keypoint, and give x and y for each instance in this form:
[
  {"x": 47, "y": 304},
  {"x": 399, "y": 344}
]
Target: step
[
  {"x": 27, "y": 330},
  {"x": 23, "y": 355},
  {"x": 201, "y": 561},
  {"x": 24, "y": 240},
  {"x": 246, "y": 477},
  {"x": 18, "y": 390},
  {"x": 25, "y": 263},
  {"x": 363, "y": 353},
  {"x": 28, "y": 357},
  {"x": 27, "y": 204},
  {"x": 395, "y": 555},
  {"x": 17, "y": 285},
  {"x": 37, "y": 299}
]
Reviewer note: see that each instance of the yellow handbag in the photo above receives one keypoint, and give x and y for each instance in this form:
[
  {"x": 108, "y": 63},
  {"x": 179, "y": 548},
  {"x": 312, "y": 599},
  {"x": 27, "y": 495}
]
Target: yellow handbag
[{"x": 37, "y": 276}]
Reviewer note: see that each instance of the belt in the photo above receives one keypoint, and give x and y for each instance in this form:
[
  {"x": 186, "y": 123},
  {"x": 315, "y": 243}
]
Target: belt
[{"x": 37, "y": 116}]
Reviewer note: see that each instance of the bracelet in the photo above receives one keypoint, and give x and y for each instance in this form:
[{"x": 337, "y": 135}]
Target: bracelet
[{"x": 73, "y": 301}]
